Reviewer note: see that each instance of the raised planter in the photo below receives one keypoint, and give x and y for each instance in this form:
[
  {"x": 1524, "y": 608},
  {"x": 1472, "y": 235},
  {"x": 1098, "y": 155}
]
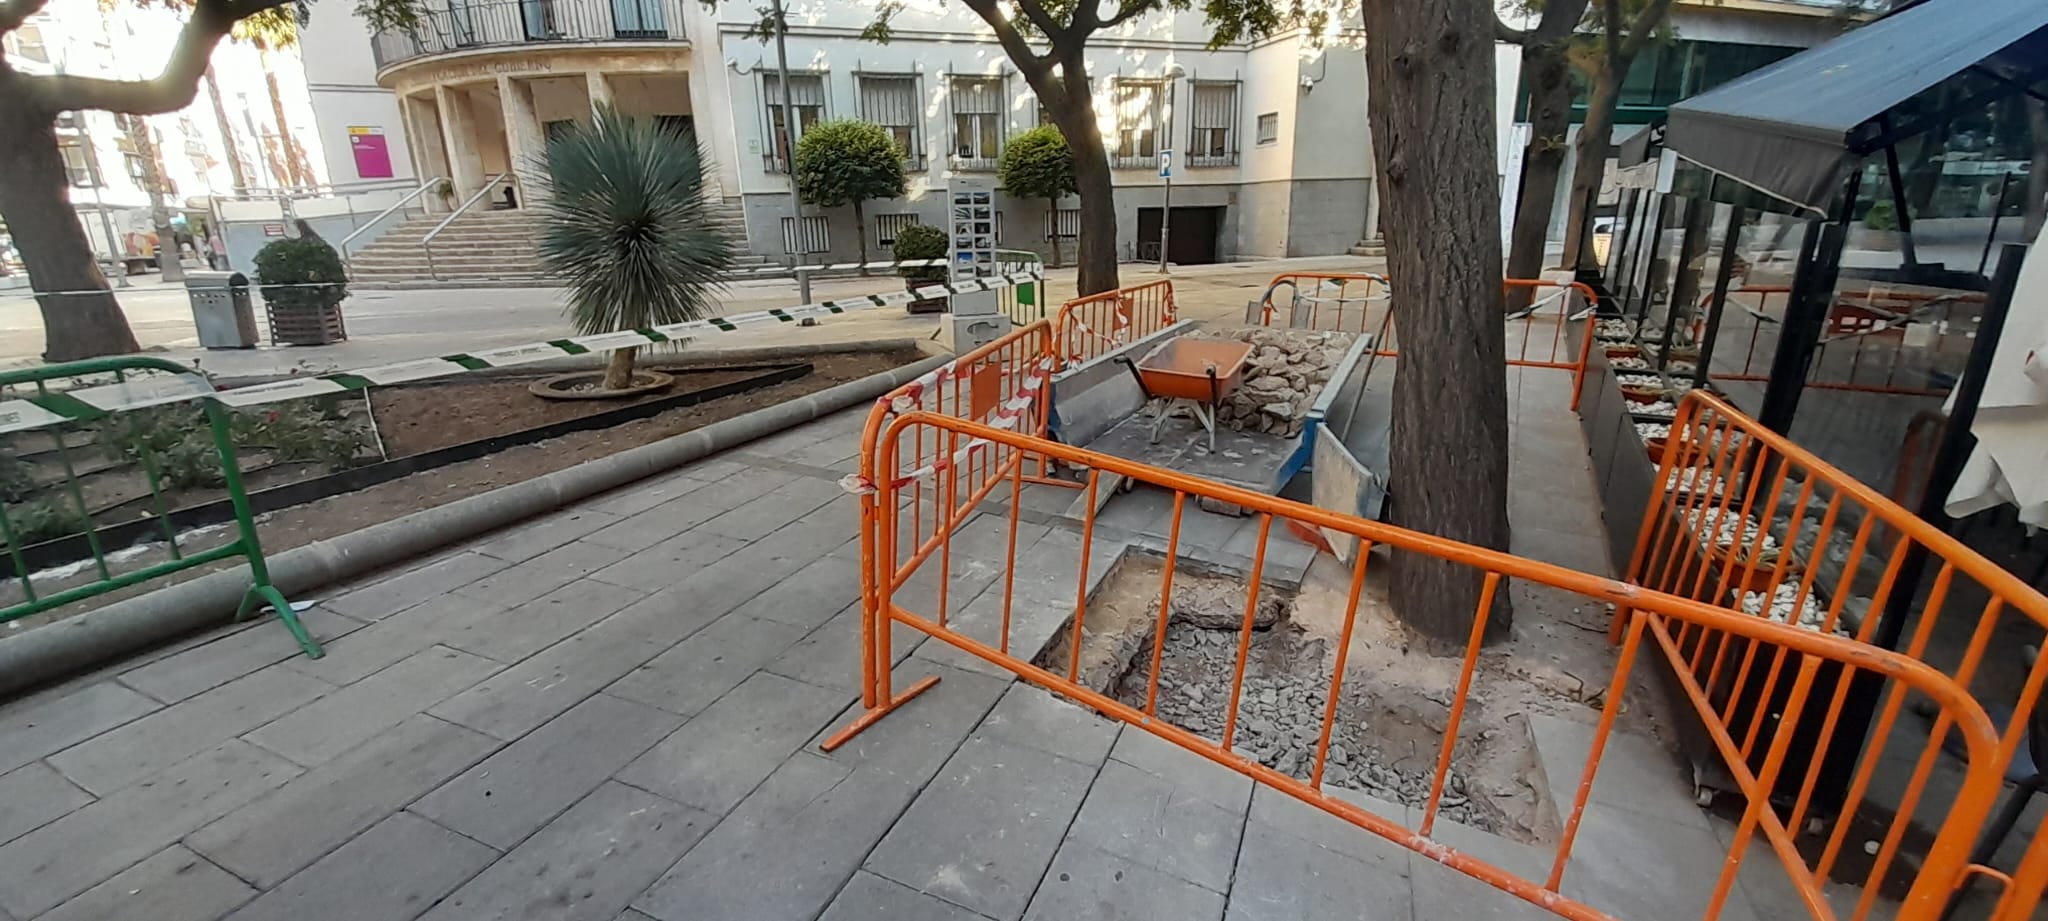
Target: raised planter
[{"x": 306, "y": 325}]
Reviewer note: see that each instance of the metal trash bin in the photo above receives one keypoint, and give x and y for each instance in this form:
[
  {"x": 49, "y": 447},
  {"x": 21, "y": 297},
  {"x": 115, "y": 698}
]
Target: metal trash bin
[{"x": 221, "y": 309}]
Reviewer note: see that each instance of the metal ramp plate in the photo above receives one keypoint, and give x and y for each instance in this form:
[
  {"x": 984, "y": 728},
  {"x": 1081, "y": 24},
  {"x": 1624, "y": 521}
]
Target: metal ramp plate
[{"x": 1250, "y": 461}]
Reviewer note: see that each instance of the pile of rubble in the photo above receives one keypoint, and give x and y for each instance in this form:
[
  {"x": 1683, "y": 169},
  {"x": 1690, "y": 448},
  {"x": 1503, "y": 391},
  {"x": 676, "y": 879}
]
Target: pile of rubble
[{"x": 1283, "y": 374}]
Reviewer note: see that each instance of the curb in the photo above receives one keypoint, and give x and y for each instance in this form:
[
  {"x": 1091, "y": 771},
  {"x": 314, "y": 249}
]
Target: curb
[{"x": 67, "y": 647}]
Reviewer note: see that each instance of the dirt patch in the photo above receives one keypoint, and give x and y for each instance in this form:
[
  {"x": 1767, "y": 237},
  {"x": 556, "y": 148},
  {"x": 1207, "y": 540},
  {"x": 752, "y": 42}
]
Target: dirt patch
[{"x": 414, "y": 420}]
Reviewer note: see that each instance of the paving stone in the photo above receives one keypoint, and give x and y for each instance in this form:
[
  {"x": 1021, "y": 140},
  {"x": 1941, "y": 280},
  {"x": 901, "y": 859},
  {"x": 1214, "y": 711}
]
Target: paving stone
[
  {"x": 584, "y": 866},
  {"x": 669, "y": 562},
  {"x": 829, "y": 656},
  {"x": 983, "y": 832},
  {"x": 394, "y": 871},
  {"x": 758, "y": 517},
  {"x": 714, "y": 660},
  {"x": 282, "y": 833},
  {"x": 868, "y": 897},
  {"x": 1185, "y": 769},
  {"x": 173, "y": 885},
  {"x": 1034, "y": 718},
  {"x": 1154, "y": 824},
  {"x": 1636, "y": 773},
  {"x": 632, "y": 500},
  {"x": 31, "y": 796},
  {"x": 1284, "y": 878},
  {"x": 915, "y": 740},
  {"x": 1087, "y": 883},
  {"x": 43, "y": 724},
  {"x": 1309, "y": 823},
  {"x": 542, "y": 622},
  {"x": 1444, "y": 894},
  {"x": 64, "y": 858},
  {"x": 723, "y": 752},
  {"x": 811, "y": 596},
  {"x": 1041, "y": 600},
  {"x": 346, "y": 718},
  {"x": 517, "y": 790},
  {"x": 685, "y": 514},
  {"x": 389, "y": 596},
  {"x": 514, "y": 701},
  {"x": 234, "y": 654},
  {"x": 117, "y": 758},
  {"x": 1633, "y": 865},
  {"x": 529, "y": 539},
  {"x": 380, "y": 645},
  {"x": 520, "y": 584}
]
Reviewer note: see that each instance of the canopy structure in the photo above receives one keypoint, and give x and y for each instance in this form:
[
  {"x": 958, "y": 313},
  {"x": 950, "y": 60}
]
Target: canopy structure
[{"x": 1798, "y": 128}]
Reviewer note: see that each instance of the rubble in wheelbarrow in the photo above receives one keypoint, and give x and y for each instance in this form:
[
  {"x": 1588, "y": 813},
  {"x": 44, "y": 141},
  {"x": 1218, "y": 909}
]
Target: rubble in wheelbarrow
[{"x": 1282, "y": 375}]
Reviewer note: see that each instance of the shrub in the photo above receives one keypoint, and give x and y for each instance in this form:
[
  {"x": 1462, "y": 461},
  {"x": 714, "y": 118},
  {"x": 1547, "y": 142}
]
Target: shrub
[
  {"x": 15, "y": 482},
  {"x": 1881, "y": 216},
  {"x": 1038, "y": 164},
  {"x": 847, "y": 162},
  {"x": 301, "y": 273},
  {"x": 35, "y": 522},
  {"x": 915, "y": 243}
]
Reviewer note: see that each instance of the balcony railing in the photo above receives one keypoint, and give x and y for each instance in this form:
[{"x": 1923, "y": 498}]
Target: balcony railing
[{"x": 499, "y": 23}]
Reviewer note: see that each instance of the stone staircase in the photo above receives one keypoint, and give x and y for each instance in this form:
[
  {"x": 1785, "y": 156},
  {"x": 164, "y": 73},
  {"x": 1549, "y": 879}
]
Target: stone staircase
[
  {"x": 481, "y": 249},
  {"x": 1375, "y": 248}
]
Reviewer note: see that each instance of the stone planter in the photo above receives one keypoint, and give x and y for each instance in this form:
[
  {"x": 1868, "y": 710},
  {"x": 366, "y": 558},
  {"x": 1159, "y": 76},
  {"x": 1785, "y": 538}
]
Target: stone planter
[{"x": 310, "y": 325}]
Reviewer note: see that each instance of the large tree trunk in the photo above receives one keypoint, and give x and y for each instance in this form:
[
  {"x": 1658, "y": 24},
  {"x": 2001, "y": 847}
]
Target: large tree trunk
[
  {"x": 1550, "y": 113},
  {"x": 52, "y": 241},
  {"x": 153, "y": 182},
  {"x": 227, "y": 134},
  {"x": 860, "y": 232},
  {"x": 1431, "y": 64},
  {"x": 2037, "y": 173},
  {"x": 1095, "y": 266},
  {"x": 1052, "y": 213},
  {"x": 1589, "y": 165}
]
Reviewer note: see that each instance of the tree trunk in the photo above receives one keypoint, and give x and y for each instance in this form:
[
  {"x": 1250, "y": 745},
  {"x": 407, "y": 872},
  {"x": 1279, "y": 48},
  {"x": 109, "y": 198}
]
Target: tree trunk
[
  {"x": 1589, "y": 165},
  {"x": 860, "y": 232},
  {"x": 139, "y": 135},
  {"x": 1052, "y": 213},
  {"x": 296, "y": 167},
  {"x": 1095, "y": 268},
  {"x": 227, "y": 134},
  {"x": 2037, "y": 173},
  {"x": 51, "y": 239},
  {"x": 1431, "y": 64},
  {"x": 1550, "y": 114},
  {"x": 618, "y": 372}
]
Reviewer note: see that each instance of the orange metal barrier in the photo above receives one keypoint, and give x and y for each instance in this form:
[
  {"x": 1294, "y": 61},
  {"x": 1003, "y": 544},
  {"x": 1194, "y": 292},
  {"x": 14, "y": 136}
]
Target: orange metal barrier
[
  {"x": 1717, "y": 533},
  {"x": 1362, "y": 289},
  {"x": 1089, "y": 327},
  {"x": 899, "y": 599}
]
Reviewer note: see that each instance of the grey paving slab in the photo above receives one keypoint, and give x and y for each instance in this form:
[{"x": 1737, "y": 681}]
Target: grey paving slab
[
  {"x": 513, "y": 702},
  {"x": 1194, "y": 773},
  {"x": 1155, "y": 824},
  {"x": 1284, "y": 878},
  {"x": 517, "y": 790},
  {"x": 390, "y": 595},
  {"x": 280, "y": 834},
  {"x": 33, "y": 795},
  {"x": 533, "y": 578},
  {"x": 233, "y": 654},
  {"x": 394, "y": 871},
  {"x": 1768, "y": 888},
  {"x": 530, "y": 539},
  {"x": 173, "y": 885},
  {"x": 1087, "y": 884},
  {"x": 117, "y": 758},
  {"x": 1632, "y": 865},
  {"x": 830, "y": 655},
  {"x": 1309, "y": 823},
  {"x": 1042, "y": 593},
  {"x": 1444, "y": 894},
  {"x": 701, "y": 669},
  {"x": 688, "y": 512},
  {"x": 632, "y": 500},
  {"x": 670, "y": 561},
  {"x": 317, "y": 732},
  {"x": 758, "y": 517},
  {"x": 915, "y": 740},
  {"x": 584, "y": 866},
  {"x": 982, "y": 833},
  {"x": 1636, "y": 772},
  {"x": 868, "y": 897},
  {"x": 1037, "y": 719},
  {"x": 378, "y": 646},
  {"x": 64, "y": 858},
  {"x": 51, "y": 722},
  {"x": 811, "y": 596},
  {"x": 726, "y": 750},
  {"x": 542, "y": 622}
]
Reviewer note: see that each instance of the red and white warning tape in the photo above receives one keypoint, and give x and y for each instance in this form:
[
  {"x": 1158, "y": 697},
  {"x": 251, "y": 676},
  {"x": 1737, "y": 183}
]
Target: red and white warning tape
[
  {"x": 1120, "y": 334},
  {"x": 1004, "y": 416}
]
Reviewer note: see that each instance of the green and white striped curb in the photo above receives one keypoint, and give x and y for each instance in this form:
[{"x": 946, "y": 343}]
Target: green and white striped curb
[{"x": 87, "y": 403}]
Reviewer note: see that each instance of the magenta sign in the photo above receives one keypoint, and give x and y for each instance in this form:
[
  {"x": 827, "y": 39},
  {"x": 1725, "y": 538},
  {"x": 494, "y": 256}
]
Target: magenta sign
[{"x": 373, "y": 154}]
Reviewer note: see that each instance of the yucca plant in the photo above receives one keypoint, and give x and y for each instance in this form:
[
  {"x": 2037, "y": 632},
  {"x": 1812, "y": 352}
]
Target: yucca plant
[{"x": 626, "y": 227}]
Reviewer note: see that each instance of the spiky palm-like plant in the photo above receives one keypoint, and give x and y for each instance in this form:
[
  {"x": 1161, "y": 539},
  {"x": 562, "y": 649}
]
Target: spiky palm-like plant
[{"x": 626, "y": 227}]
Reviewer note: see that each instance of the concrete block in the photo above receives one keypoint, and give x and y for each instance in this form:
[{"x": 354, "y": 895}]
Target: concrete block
[
  {"x": 912, "y": 742},
  {"x": 282, "y": 833},
  {"x": 723, "y": 752},
  {"x": 1037, "y": 719},
  {"x": 48, "y": 723},
  {"x": 232, "y": 654},
  {"x": 1635, "y": 773},
  {"x": 714, "y": 660},
  {"x": 542, "y": 622},
  {"x": 868, "y": 897},
  {"x": 983, "y": 832},
  {"x": 175, "y": 883},
  {"x": 529, "y": 539},
  {"x": 400, "y": 866},
  {"x": 1085, "y": 882},
  {"x": 811, "y": 596},
  {"x": 1308, "y": 823},
  {"x": 1154, "y": 824},
  {"x": 758, "y": 517},
  {"x": 517, "y": 790},
  {"x": 829, "y": 656},
  {"x": 1284, "y": 878},
  {"x": 670, "y": 561},
  {"x": 115, "y": 759},
  {"x": 360, "y": 712},
  {"x": 1194, "y": 773},
  {"x": 380, "y": 645},
  {"x": 31, "y": 796},
  {"x": 392, "y": 594},
  {"x": 584, "y": 866},
  {"x": 47, "y": 866}
]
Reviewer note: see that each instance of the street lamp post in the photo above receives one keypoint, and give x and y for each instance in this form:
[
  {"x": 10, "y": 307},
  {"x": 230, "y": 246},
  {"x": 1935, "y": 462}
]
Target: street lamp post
[
  {"x": 1173, "y": 74},
  {"x": 789, "y": 132}
]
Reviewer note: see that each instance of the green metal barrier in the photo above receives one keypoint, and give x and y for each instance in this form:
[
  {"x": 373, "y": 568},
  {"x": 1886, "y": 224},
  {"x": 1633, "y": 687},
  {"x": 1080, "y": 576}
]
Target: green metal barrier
[
  {"x": 77, "y": 413},
  {"x": 1023, "y": 303}
]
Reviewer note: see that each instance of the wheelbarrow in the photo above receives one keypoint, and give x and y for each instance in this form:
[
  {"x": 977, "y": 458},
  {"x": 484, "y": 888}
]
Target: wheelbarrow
[{"x": 1190, "y": 374}]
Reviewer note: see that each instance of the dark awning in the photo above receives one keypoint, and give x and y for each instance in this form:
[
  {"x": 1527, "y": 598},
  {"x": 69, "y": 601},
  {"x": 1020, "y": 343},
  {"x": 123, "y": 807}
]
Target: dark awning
[{"x": 1796, "y": 128}]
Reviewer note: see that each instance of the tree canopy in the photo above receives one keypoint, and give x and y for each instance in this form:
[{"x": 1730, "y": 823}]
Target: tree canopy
[
  {"x": 846, "y": 161},
  {"x": 1037, "y": 164}
]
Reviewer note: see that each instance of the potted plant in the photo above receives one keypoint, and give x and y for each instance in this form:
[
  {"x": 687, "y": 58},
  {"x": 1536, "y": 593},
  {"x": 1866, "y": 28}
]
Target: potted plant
[
  {"x": 626, "y": 227},
  {"x": 303, "y": 283},
  {"x": 445, "y": 191},
  {"x": 916, "y": 243}
]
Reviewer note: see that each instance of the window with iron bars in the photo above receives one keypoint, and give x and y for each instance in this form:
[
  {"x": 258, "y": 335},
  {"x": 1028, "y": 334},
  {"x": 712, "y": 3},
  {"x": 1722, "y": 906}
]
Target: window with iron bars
[
  {"x": 978, "y": 122},
  {"x": 815, "y": 236},
  {"x": 806, "y": 100},
  {"x": 887, "y": 226},
  {"x": 1139, "y": 106},
  {"x": 892, "y": 101},
  {"x": 1212, "y": 123},
  {"x": 1063, "y": 223}
]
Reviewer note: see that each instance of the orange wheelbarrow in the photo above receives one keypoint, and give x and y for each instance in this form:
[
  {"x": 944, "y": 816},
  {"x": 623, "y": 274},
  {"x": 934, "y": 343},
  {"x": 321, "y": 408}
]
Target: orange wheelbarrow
[{"x": 1190, "y": 374}]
